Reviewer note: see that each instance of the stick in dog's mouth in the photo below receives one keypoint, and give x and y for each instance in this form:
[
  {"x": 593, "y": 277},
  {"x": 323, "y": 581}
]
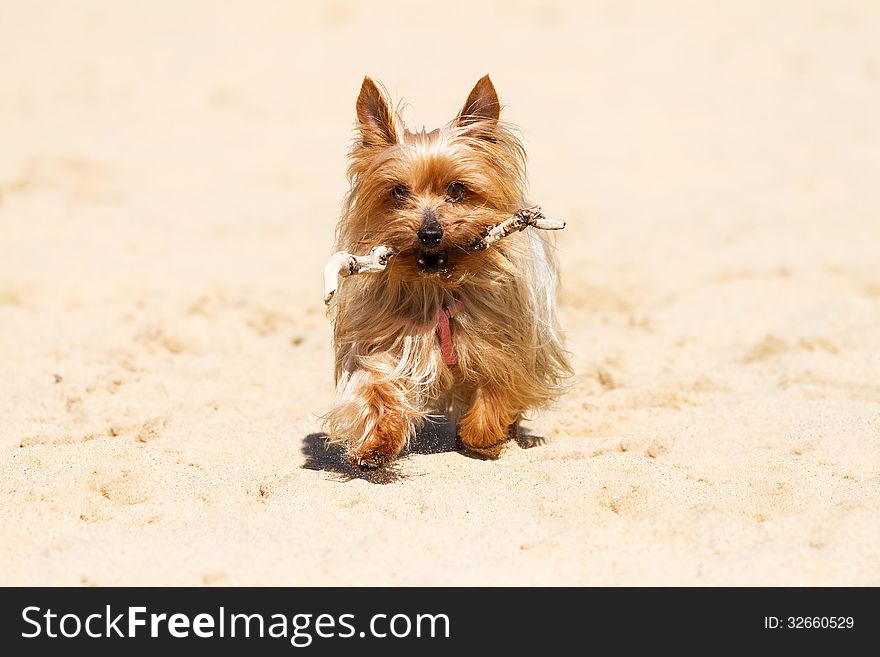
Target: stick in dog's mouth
[{"x": 345, "y": 264}]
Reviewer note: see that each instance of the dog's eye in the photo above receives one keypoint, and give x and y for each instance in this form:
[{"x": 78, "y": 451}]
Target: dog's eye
[
  {"x": 399, "y": 192},
  {"x": 455, "y": 191}
]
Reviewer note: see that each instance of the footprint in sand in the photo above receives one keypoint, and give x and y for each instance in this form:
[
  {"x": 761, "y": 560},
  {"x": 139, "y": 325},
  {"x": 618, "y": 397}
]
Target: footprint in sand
[
  {"x": 152, "y": 429},
  {"x": 80, "y": 180},
  {"x": 622, "y": 498},
  {"x": 772, "y": 346},
  {"x": 125, "y": 487}
]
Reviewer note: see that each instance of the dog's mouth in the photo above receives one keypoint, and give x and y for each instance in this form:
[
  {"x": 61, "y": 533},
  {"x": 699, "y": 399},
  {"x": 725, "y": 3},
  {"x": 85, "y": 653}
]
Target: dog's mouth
[{"x": 432, "y": 262}]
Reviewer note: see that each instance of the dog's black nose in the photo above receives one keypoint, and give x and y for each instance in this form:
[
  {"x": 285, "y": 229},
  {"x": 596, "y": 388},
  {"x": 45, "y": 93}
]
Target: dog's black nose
[{"x": 430, "y": 233}]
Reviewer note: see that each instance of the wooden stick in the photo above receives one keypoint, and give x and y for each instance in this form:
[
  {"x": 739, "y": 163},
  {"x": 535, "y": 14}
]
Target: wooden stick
[
  {"x": 345, "y": 264},
  {"x": 522, "y": 219}
]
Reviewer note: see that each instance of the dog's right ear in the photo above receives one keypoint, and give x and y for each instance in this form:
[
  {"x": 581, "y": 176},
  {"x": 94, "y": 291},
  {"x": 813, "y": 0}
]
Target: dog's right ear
[{"x": 375, "y": 118}]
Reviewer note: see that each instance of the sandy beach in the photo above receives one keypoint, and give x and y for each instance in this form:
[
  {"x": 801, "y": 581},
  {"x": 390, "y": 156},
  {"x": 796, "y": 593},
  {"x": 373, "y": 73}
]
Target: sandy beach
[{"x": 170, "y": 177}]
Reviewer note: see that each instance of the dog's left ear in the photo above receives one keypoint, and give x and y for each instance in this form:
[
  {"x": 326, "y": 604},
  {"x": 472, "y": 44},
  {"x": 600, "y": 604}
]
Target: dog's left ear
[{"x": 481, "y": 104}]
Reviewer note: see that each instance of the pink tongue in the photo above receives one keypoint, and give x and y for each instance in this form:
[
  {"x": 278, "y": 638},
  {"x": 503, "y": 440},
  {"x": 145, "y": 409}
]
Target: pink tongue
[{"x": 446, "y": 347}]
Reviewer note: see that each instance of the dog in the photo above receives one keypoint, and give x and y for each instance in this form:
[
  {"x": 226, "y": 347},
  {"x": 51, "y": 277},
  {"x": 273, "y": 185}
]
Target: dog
[{"x": 446, "y": 329}]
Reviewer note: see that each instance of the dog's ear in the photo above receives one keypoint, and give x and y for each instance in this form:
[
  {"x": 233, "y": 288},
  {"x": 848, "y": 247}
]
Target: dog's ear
[
  {"x": 481, "y": 105},
  {"x": 375, "y": 118}
]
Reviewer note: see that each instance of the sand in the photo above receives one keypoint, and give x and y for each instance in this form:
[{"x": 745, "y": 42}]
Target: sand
[{"x": 170, "y": 174}]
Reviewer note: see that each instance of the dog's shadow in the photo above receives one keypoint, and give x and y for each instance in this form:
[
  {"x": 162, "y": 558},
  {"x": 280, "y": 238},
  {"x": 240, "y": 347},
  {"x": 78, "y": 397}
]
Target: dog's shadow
[{"x": 436, "y": 437}]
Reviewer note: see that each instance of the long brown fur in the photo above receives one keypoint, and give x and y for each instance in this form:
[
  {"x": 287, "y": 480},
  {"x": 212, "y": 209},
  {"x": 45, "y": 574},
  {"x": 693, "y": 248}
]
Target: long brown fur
[{"x": 390, "y": 374}]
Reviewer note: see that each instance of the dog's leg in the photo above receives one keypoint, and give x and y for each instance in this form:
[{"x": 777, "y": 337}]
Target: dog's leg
[
  {"x": 373, "y": 417},
  {"x": 489, "y": 421},
  {"x": 391, "y": 427}
]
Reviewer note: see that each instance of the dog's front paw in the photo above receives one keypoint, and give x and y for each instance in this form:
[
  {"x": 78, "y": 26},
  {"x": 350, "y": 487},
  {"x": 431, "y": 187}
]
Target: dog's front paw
[
  {"x": 489, "y": 453},
  {"x": 380, "y": 448},
  {"x": 368, "y": 459}
]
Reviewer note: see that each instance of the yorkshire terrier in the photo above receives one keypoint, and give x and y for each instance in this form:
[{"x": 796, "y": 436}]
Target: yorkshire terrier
[{"x": 446, "y": 329}]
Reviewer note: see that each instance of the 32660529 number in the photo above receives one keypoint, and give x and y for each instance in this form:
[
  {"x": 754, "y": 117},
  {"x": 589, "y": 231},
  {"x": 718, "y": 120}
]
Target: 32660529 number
[{"x": 809, "y": 622}]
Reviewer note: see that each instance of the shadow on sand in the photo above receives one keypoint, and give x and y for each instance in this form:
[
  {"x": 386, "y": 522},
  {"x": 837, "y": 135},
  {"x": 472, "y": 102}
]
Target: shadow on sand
[{"x": 436, "y": 437}]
